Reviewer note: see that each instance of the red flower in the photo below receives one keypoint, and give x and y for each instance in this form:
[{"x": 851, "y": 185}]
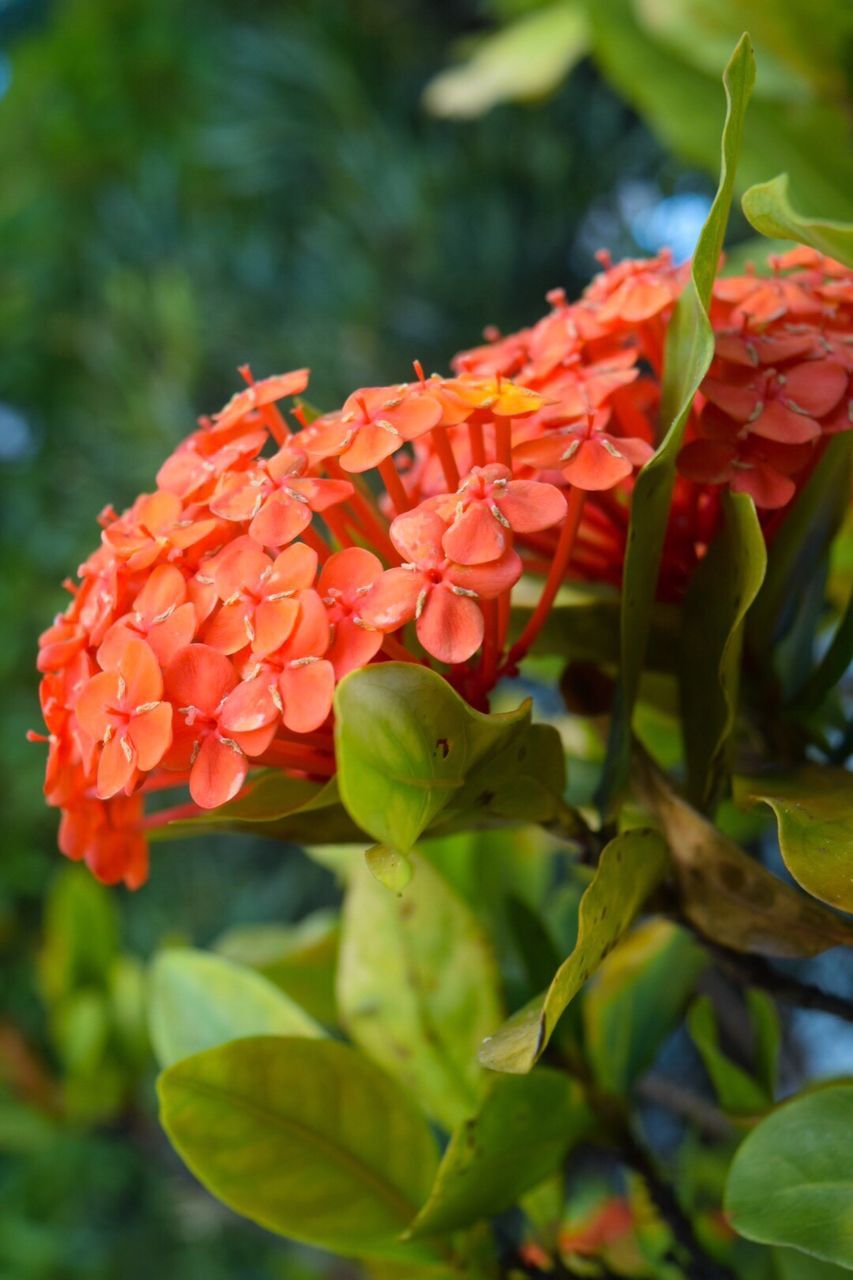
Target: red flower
[
  {"x": 344, "y": 581},
  {"x": 161, "y": 615},
  {"x": 198, "y": 682},
  {"x": 259, "y": 596},
  {"x": 783, "y": 405},
  {"x": 490, "y": 504},
  {"x": 588, "y": 456},
  {"x": 439, "y": 595},
  {"x": 372, "y": 425},
  {"x": 122, "y": 708}
]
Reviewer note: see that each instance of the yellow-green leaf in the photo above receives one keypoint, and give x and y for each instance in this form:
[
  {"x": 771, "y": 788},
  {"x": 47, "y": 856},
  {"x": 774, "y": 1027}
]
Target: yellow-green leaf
[
  {"x": 769, "y": 209},
  {"x": 197, "y": 1000},
  {"x": 306, "y": 1138},
  {"x": 630, "y": 867},
  {"x": 418, "y": 986},
  {"x": 814, "y": 813},
  {"x": 527, "y": 59}
]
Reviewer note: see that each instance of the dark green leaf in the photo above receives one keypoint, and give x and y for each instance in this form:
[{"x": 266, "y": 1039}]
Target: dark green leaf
[
  {"x": 418, "y": 987},
  {"x": 770, "y": 211},
  {"x": 198, "y": 1000},
  {"x": 729, "y": 897},
  {"x": 410, "y": 750},
  {"x": 521, "y": 1133},
  {"x": 814, "y": 812},
  {"x": 305, "y": 1137},
  {"x": 791, "y": 1182},
  {"x": 636, "y": 999},
  {"x": 828, "y": 673},
  {"x": 630, "y": 867},
  {"x": 721, "y": 591},
  {"x": 800, "y": 543},
  {"x": 689, "y": 349}
]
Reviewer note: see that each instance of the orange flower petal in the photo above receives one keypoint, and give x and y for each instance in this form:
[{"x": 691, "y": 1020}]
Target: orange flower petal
[
  {"x": 307, "y": 695},
  {"x": 218, "y": 773}
]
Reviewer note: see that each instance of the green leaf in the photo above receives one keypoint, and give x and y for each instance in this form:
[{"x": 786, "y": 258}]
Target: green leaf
[
  {"x": 520, "y": 1134},
  {"x": 418, "y": 987},
  {"x": 729, "y": 897},
  {"x": 814, "y": 813},
  {"x": 723, "y": 587},
  {"x": 301, "y": 959},
  {"x": 689, "y": 349},
  {"x": 636, "y": 999},
  {"x": 527, "y": 59},
  {"x": 587, "y": 630},
  {"x": 737, "y": 1091},
  {"x": 392, "y": 869},
  {"x": 198, "y": 1000},
  {"x": 807, "y": 138},
  {"x": 770, "y": 211},
  {"x": 410, "y": 750},
  {"x": 827, "y": 675},
  {"x": 306, "y": 1138},
  {"x": 80, "y": 934},
  {"x": 291, "y": 809},
  {"x": 791, "y": 1182},
  {"x": 800, "y": 543},
  {"x": 630, "y": 867}
]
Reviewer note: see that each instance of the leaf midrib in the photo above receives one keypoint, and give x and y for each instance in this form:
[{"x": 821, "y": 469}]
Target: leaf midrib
[{"x": 390, "y": 1194}]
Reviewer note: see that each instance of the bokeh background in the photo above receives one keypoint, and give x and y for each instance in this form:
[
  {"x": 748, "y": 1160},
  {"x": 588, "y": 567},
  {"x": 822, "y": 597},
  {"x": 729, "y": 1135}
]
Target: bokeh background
[{"x": 187, "y": 186}]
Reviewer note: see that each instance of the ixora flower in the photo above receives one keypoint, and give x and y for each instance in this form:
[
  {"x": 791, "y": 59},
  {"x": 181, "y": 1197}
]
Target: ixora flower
[{"x": 207, "y": 632}]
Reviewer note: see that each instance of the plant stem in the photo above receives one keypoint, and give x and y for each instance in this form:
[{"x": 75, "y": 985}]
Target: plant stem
[
  {"x": 758, "y": 973},
  {"x": 553, "y": 582}
]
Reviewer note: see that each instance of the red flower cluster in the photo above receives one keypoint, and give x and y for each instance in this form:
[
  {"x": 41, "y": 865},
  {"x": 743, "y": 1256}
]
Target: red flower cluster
[{"x": 207, "y": 632}]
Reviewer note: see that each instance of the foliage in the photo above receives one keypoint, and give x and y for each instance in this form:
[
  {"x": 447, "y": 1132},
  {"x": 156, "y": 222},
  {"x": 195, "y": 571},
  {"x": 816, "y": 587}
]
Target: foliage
[{"x": 352, "y": 1083}]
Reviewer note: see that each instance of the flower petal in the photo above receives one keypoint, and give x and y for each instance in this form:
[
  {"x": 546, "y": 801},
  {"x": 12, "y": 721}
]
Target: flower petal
[
  {"x": 307, "y": 695},
  {"x": 199, "y": 676},
  {"x": 151, "y": 735},
  {"x": 475, "y": 537},
  {"x": 451, "y": 626},
  {"x": 530, "y": 506},
  {"x": 116, "y": 766},
  {"x": 393, "y": 599},
  {"x": 218, "y": 773}
]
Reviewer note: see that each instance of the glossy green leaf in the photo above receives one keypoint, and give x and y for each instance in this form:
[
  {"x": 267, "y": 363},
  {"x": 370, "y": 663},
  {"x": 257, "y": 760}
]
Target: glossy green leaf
[
  {"x": 728, "y": 896},
  {"x": 197, "y": 1000},
  {"x": 737, "y": 1091},
  {"x": 723, "y": 587},
  {"x": 636, "y": 999},
  {"x": 791, "y": 1182},
  {"x": 769, "y": 209},
  {"x": 306, "y": 1138},
  {"x": 814, "y": 813},
  {"x": 301, "y": 958},
  {"x": 526, "y": 59},
  {"x": 689, "y": 349},
  {"x": 410, "y": 750},
  {"x": 630, "y": 867},
  {"x": 521, "y": 1133},
  {"x": 418, "y": 987}
]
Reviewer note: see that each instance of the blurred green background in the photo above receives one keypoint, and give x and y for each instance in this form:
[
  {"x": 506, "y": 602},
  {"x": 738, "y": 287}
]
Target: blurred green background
[{"x": 187, "y": 186}]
